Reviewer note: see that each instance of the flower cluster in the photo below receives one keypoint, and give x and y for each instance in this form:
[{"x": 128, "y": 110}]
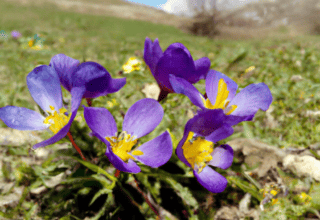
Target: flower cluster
[{"x": 175, "y": 71}]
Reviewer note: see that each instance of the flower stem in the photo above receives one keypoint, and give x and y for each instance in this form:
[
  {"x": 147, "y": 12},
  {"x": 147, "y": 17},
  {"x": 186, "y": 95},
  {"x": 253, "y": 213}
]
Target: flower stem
[
  {"x": 117, "y": 174},
  {"x": 136, "y": 186},
  {"x": 75, "y": 146},
  {"x": 163, "y": 94},
  {"x": 89, "y": 102}
]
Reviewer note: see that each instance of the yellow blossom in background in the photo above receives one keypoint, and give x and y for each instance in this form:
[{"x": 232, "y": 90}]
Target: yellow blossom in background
[
  {"x": 131, "y": 65},
  {"x": 249, "y": 69},
  {"x": 61, "y": 40},
  {"x": 37, "y": 47},
  {"x": 112, "y": 103},
  {"x": 31, "y": 43},
  {"x": 305, "y": 197}
]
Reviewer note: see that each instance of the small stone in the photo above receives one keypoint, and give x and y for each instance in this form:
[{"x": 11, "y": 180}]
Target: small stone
[
  {"x": 296, "y": 78},
  {"x": 151, "y": 90}
]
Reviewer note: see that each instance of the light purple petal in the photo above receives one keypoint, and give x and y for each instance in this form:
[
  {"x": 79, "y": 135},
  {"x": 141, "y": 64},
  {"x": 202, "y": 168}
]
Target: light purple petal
[
  {"x": 142, "y": 117},
  {"x": 251, "y": 99},
  {"x": 44, "y": 86},
  {"x": 202, "y": 66},
  {"x": 119, "y": 164},
  {"x": 100, "y": 121},
  {"x": 221, "y": 133},
  {"x": 212, "y": 82},
  {"x": 222, "y": 157},
  {"x": 64, "y": 66},
  {"x": 182, "y": 86},
  {"x": 152, "y": 53},
  {"x": 157, "y": 151},
  {"x": 175, "y": 61},
  {"x": 211, "y": 180},
  {"x": 76, "y": 94},
  {"x": 22, "y": 118}
]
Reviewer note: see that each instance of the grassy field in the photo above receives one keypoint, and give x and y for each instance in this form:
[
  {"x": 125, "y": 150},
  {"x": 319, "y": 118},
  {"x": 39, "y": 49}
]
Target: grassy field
[{"x": 289, "y": 66}]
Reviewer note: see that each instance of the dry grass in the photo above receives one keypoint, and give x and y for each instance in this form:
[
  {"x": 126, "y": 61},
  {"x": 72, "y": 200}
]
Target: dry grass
[{"x": 114, "y": 8}]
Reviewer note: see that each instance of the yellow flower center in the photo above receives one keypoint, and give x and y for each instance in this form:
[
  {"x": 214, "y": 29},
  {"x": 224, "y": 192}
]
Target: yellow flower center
[
  {"x": 221, "y": 99},
  {"x": 197, "y": 151},
  {"x": 122, "y": 146},
  {"x": 56, "y": 120}
]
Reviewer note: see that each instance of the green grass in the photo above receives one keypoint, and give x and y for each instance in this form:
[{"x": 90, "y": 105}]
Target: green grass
[{"x": 111, "y": 41}]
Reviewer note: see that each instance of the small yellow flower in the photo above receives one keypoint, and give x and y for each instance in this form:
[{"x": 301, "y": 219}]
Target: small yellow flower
[
  {"x": 131, "y": 65},
  {"x": 249, "y": 69},
  {"x": 37, "y": 47},
  {"x": 305, "y": 197},
  {"x": 273, "y": 192},
  {"x": 31, "y": 43},
  {"x": 112, "y": 103},
  {"x": 61, "y": 40}
]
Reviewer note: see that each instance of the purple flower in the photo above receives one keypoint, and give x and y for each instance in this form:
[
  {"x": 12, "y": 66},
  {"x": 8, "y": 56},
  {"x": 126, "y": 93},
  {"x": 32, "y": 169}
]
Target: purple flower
[
  {"x": 94, "y": 77},
  {"x": 221, "y": 92},
  {"x": 15, "y": 34},
  {"x": 176, "y": 60},
  {"x": 141, "y": 118},
  {"x": 196, "y": 148},
  {"x": 44, "y": 86}
]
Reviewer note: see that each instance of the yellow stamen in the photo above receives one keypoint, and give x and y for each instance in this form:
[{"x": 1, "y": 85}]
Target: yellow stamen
[
  {"x": 122, "y": 146},
  {"x": 221, "y": 99},
  {"x": 197, "y": 151},
  {"x": 57, "y": 120}
]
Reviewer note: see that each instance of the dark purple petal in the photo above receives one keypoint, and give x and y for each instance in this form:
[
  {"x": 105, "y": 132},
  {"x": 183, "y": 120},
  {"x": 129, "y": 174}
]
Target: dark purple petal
[
  {"x": 22, "y": 118},
  {"x": 115, "y": 85},
  {"x": 76, "y": 94},
  {"x": 251, "y": 99},
  {"x": 100, "y": 121},
  {"x": 175, "y": 61},
  {"x": 233, "y": 120},
  {"x": 64, "y": 66},
  {"x": 207, "y": 121},
  {"x": 182, "y": 86},
  {"x": 221, "y": 133},
  {"x": 157, "y": 151},
  {"x": 44, "y": 86},
  {"x": 142, "y": 117},
  {"x": 152, "y": 53},
  {"x": 119, "y": 164},
  {"x": 212, "y": 82},
  {"x": 202, "y": 66},
  {"x": 211, "y": 180},
  {"x": 222, "y": 157},
  {"x": 96, "y": 79}
]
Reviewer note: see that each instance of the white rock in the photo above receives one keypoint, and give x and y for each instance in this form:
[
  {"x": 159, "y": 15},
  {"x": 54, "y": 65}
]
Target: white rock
[{"x": 303, "y": 165}]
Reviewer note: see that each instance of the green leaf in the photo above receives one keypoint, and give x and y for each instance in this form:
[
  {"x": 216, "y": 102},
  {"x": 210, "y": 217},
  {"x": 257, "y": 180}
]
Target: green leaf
[
  {"x": 245, "y": 186},
  {"x": 95, "y": 168},
  {"x": 98, "y": 194},
  {"x": 247, "y": 130},
  {"x": 104, "y": 182},
  {"x": 184, "y": 193}
]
